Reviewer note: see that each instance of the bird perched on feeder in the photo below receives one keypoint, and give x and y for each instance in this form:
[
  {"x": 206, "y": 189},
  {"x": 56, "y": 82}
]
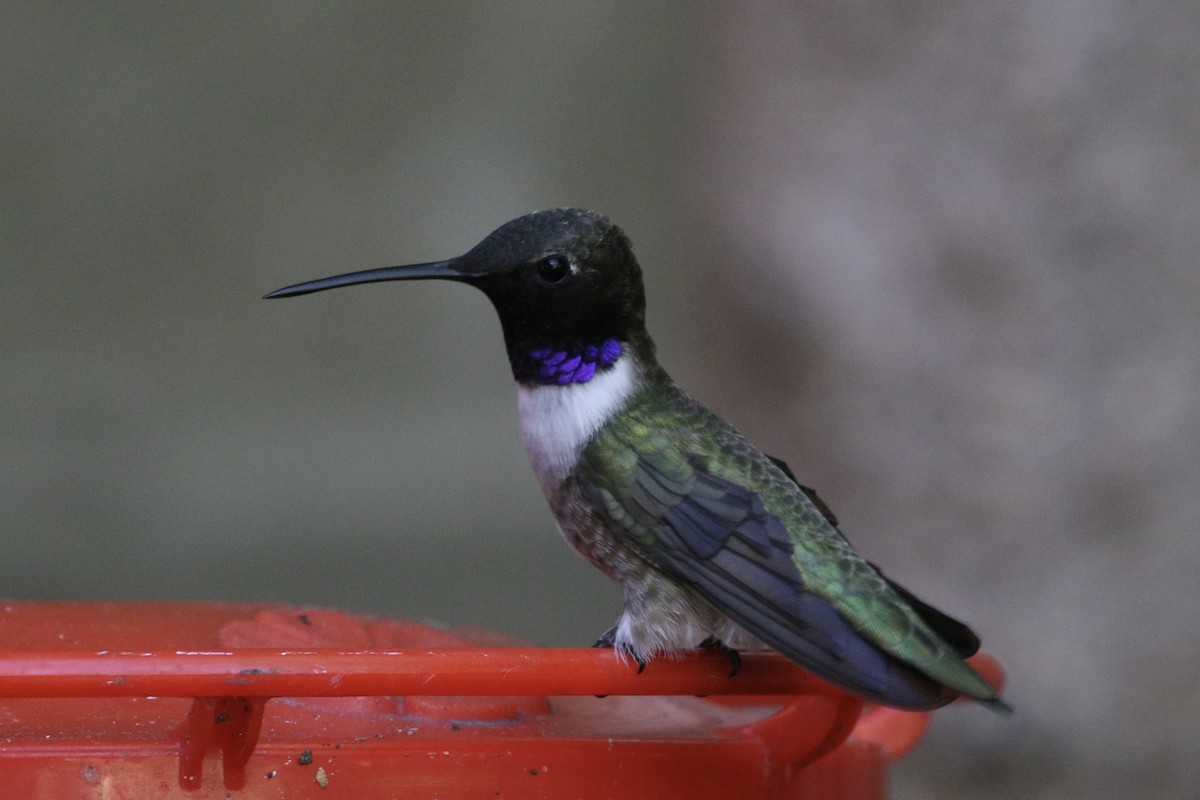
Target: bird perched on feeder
[{"x": 712, "y": 541}]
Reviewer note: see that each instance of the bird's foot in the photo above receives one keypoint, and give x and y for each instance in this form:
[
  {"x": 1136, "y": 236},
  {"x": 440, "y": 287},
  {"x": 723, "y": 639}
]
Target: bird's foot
[
  {"x": 609, "y": 639},
  {"x": 735, "y": 658}
]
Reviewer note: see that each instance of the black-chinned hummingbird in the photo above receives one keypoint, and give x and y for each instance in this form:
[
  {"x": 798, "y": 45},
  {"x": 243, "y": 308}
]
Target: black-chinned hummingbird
[{"x": 712, "y": 541}]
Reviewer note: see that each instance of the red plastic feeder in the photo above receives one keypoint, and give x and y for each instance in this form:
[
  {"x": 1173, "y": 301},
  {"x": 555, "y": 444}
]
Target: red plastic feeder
[{"x": 170, "y": 700}]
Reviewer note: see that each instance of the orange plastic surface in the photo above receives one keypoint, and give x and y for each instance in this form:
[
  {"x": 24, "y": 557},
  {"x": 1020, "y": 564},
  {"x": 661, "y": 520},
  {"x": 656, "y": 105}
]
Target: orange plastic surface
[{"x": 138, "y": 700}]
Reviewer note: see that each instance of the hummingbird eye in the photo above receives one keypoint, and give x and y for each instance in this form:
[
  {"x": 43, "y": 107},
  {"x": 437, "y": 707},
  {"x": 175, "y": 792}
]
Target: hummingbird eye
[{"x": 553, "y": 269}]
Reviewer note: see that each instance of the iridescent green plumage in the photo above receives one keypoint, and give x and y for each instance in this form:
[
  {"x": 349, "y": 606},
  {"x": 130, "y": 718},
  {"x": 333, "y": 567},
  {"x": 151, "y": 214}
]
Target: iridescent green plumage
[{"x": 707, "y": 508}]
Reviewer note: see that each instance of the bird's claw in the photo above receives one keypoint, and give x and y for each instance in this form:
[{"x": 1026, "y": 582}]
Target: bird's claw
[
  {"x": 609, "y": 639},
  {"x": 735, "y": 658}
]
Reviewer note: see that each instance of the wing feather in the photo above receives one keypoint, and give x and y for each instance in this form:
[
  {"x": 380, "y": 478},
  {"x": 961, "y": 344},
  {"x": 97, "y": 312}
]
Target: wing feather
[
  {"x": 958, "y": 635},
  {"x": 718, "y": 538}
]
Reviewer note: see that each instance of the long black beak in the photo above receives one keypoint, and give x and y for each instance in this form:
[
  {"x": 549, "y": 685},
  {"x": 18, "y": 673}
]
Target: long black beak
[{"x": 448, "y": 270}]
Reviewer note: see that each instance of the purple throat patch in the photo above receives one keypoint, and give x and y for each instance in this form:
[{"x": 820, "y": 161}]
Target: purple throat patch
[{"x": 574, "y": 363}]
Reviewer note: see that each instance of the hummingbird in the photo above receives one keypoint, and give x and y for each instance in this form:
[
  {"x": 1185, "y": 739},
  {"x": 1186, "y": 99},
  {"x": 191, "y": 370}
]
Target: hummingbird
[{"x": 713, "y": 542}]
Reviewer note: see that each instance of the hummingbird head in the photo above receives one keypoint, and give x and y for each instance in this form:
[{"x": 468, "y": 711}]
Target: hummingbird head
[{"x": 564, "y": 283}]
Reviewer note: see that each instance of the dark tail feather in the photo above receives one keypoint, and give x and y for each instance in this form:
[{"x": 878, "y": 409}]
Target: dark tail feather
[
  {"x": 956, "y": 634},
  {"x": 961, "y": 638}
]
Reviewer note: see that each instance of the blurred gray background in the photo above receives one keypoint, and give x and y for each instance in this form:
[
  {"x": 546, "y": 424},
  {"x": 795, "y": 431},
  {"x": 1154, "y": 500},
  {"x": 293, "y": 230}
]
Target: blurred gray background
[{"x": 939, "y": 256}]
